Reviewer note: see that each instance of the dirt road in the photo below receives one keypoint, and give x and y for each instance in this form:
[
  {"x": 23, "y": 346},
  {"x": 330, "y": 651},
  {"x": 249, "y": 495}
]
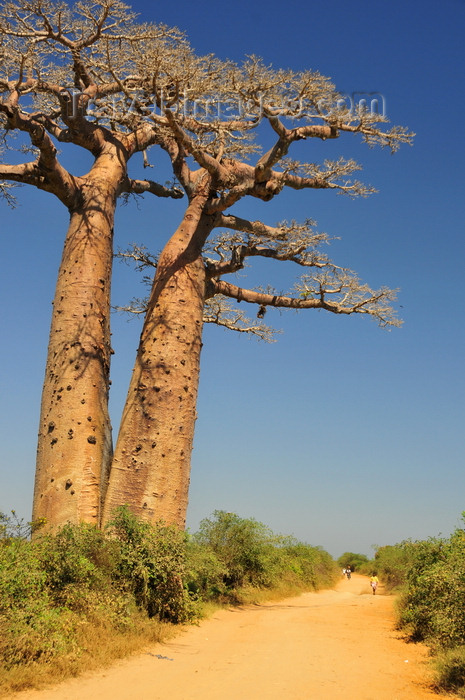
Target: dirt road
[{"x": 332, "y": 645}]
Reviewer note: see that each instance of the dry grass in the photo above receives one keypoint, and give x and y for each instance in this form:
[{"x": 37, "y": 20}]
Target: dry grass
[
  {"x": 256, "y": 596},
  {"x": 100, "y": 644}
]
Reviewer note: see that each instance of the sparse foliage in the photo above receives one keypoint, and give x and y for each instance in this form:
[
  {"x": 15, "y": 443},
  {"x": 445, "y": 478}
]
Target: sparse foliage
[{"x": 92, "y": 76}]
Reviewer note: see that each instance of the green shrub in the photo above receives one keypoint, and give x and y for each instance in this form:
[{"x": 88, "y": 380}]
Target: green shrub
[
  {"x": 432, "y": 605},
  {"x": 355, "y": 561},
  {"x": 392, "y": 564},
  {"x": 243, "y": 546},
  {"x": 152, "y": 566},
  {"x": 205, "y": 573},
  {"x": 251, "y": 555},
  {"x": 450, "y": 671},
  {"x": 31, "y": 628},
  {"x": 62, "y": 593}
]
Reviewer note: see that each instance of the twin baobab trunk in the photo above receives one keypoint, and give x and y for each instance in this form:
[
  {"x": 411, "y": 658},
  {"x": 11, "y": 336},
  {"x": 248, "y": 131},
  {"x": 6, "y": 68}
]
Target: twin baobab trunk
[
  {"x": 74, "y": 447},
  {"x": 151, "y": 467}
]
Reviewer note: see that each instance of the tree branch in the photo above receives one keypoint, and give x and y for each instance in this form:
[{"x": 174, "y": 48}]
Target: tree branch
[
  {"x": 350, "y": 297},
  {"x": 292, "y": 242},
  {"x": 219, "y": 311},
  {"x": 203, "y": 159},
  {"x": 141, "y": 186}
]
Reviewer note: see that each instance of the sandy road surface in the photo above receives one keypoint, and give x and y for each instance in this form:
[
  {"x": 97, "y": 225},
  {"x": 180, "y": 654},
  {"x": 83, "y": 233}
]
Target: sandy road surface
[{"x": 331, "y": 645}]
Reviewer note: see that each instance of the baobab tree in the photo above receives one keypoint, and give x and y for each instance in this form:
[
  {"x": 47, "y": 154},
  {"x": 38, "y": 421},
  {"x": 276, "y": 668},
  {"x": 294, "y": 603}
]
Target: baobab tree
[
  {"x": 210, "y": 118},
  {"x": 92, "y": 77},
  {"x": 55, "y": 62}
]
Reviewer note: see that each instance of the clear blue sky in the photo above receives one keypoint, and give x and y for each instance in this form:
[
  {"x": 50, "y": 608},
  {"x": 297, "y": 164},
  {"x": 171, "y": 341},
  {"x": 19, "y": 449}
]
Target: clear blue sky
[{"x": 340, "y": 433}]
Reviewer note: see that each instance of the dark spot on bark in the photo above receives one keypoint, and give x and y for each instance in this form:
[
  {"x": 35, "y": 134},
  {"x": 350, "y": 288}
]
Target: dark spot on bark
[
  {"x": 54, "y": 441},
  {"x": 157, "y": 389},
  {"x": 92, "y": 439},
  {"x": 145, "y": 505},
  {"x": 69, "y": 387},
  {"x": 72, "y": 492},
  {"x": 76, "y": 366},
  {"x": 68, "y": 484},
  {"x": 89, "y": 418},
  {"x": 183, "y": 362},
  {"x": 51, "y": 427},
  {"x": 58, "y": 397},
  {"x": 138, "y": 448},
  {"x": 83, "y": 400},
  {"x": 52, "y": 480},
  {"x": 154, "y": 444},
  {"x": 70, "y": 434}
]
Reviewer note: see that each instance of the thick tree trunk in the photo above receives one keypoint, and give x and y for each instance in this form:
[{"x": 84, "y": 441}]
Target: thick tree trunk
[
  {"x": 151, "y": 467},
  {"x": 74, "y": 446}
]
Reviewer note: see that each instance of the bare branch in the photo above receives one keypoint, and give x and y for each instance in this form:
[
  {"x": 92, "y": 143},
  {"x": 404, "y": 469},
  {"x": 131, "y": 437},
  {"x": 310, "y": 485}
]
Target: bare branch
[
  {"x": 256, "y": 228},
  {"x": 346, "y": 296},
  {"x": 142, "y": 186},
  {"x": 5, "y": 193},
  {"x": 292, "y": 242},
  {"x": 202, "y": 157},
  {"x": 218, "y": 310},
  {"x": 140, "y": 256}
]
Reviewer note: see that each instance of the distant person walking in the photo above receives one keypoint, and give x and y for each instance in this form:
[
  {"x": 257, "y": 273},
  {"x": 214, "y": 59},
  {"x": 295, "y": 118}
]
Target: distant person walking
[
  {"x": 348, "y": 572},
  {"x": 374, "y": 583}
]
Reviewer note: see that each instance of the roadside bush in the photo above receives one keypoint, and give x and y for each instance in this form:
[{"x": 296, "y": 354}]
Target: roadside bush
[
  {"x": 80, "y": 597},
  {"x": 430, "y": 575},
  {"x": 205, "y": 573},
  {"x": 355, "y": 561},
  {"x": 314, "y": 568},
  {"x": 251, "y": 555},
  {"x": 152, "y": 566},
  {"x": 245, "y": 548},
  {"x": 450, "y": 671},
  {"x": 392, "y": 564},
  {"x": 432, "y": 605},
  {"x": 30, "y": 629}
]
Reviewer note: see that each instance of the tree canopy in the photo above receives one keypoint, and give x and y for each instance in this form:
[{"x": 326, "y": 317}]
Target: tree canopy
[{"x": 92, "y": 76}]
